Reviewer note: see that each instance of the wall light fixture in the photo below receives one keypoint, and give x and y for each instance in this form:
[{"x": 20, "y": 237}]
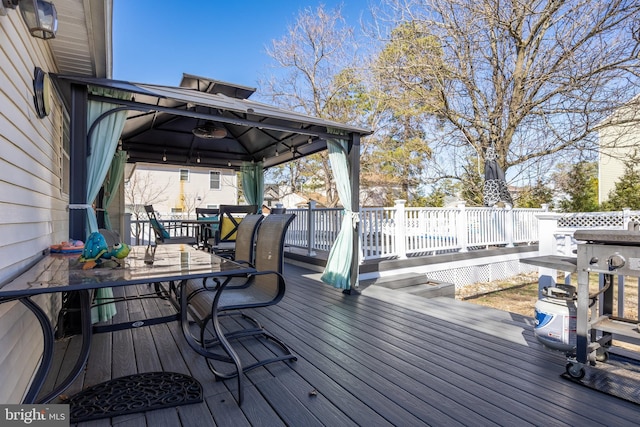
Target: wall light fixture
[{"x": 40, "y": 16}]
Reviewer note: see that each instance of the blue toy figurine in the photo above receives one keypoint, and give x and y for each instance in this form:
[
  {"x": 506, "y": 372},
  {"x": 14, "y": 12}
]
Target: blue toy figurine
[{"x": 96, "y": 250}]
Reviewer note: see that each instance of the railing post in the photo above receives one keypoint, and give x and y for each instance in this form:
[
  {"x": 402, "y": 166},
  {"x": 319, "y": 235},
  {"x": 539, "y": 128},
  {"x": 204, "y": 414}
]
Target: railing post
[
  {"x": 126, "y": 234},
  {"x": 509, "y": 225},
  {"x": 463, "y": 225},
  {"x": 399, "y": 234},
  {"x": 311, "y": 227},
  {"x": 626, "y": 218},
  {"x": 547, "y": 245}
]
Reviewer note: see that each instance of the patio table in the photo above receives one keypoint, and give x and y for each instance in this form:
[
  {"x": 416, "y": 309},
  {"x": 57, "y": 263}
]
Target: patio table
[{"x": 53, "y": 273}]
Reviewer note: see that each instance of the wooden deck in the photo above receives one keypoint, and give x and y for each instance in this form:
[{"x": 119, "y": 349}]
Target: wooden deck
[{"x": 379, "y": 358}]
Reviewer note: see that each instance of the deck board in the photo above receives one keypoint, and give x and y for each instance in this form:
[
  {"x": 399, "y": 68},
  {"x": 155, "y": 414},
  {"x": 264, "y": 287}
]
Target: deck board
[{"x": 372, "y": 359}]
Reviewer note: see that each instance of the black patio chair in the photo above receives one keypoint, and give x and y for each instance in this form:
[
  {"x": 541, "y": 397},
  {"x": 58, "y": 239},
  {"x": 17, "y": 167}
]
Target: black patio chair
[
  {"x": 230, "y": 216},
  {"x": 211, "y": 305},
  {"x": 209, "y": 222},
  {"x": 162, "y": 233}
]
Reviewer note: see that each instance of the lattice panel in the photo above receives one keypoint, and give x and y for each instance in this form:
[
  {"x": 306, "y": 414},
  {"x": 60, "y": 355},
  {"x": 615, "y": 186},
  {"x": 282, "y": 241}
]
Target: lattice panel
[
  {"x": 464, "y": 276},
  {"x": 587, "y": 220}
]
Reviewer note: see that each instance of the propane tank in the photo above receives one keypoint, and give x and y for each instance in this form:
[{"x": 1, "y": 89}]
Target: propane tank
[{"x": 555, "y": 318}]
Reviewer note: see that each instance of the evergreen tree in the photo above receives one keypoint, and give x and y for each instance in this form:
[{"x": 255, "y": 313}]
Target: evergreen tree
[
  {"x": 580, "y": 184},
  {"x": 626, "y": 191},
  {"x": 534, "y": 196}
]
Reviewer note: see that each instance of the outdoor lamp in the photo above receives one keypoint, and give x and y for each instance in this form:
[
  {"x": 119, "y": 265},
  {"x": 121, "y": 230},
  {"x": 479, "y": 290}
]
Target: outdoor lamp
[{"x": 40, "y": 16}]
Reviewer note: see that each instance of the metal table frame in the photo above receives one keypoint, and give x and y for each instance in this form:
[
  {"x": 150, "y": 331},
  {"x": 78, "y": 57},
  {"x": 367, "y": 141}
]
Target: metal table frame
[{"x": 171, "y": 263}]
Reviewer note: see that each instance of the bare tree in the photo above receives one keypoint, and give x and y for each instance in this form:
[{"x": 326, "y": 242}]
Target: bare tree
[
  {"x": 310, "y": 60},
  {"x": 189, "y": 202},
  {"x": 141, "y": 190},
  {"x": 532, "y": 78}
]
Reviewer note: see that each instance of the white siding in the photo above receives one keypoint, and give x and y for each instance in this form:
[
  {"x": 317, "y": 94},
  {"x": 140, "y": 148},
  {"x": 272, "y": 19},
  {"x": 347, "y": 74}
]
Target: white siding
[
  {"x": 160, "y": 186},
  {"x": 33, "y": 210},
  {"x": 616, "y": 144}
]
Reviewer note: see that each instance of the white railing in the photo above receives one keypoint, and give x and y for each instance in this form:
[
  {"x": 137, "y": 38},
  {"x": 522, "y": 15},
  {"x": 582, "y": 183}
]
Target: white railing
[
  {"x": 400, "y": 231},
  {"x": 142, "y": 233}
]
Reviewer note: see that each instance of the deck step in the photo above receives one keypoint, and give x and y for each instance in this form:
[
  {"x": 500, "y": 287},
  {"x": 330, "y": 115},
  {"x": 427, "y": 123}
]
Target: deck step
[
  {"x": 414, "y": 283},
  {"x": 397, "y": 281}
]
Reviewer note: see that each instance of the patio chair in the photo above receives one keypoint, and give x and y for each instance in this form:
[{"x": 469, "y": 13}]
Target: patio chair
[
  {"x": 162, "y": 233},
  {"x": 209, "y": 219},
  {"x": 244, "y": 254},
  {"x": 230, "y": 216},
  {"x": 211, "y": 305}
]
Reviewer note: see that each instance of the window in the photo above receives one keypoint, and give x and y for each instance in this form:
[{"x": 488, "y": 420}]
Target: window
[
  {"x": 184, "y": 175},
  {"x": 214, "y": 180},
  {"x": 62, "y": 130}
]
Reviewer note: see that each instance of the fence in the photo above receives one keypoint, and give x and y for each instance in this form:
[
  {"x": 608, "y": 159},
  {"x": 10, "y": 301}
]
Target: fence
[{"x": 400, "y": 231}]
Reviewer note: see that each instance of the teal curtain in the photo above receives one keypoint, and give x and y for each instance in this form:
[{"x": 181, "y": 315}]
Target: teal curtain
[
  {"x": 253, "y": 183},
  {"x": 102, "y": 147},
  {"x": 338, "y": 269},
  {"x": 112, "y": 182}
]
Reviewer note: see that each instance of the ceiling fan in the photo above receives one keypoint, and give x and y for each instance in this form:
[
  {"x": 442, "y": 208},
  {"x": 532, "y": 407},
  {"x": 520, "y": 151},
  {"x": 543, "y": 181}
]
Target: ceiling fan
[{"x": 209, "y": 130}]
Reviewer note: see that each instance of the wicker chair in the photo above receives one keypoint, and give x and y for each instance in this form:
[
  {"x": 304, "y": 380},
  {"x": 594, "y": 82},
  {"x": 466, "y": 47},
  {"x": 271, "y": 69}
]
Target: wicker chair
[{"x": 210, "y": 305}]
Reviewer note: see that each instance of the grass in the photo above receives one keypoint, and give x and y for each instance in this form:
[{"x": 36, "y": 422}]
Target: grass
[
  {"x": 516, "y": 295},
  {"x": 520, "y": 293}
]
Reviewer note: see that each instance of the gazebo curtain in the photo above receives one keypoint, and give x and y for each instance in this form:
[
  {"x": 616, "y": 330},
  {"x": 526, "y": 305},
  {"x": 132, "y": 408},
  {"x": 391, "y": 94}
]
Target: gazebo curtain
[
  {"x": 253, "y": 182},
  {"x": 112, "y": 182},
  {"x": 102, "y": 145},
  {"x": 338, "y": 269},
  {"x": 103, "y": 141}
]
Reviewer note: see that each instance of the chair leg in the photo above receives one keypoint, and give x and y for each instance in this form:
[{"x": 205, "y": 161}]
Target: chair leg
[{"x": 232, "y": 356}]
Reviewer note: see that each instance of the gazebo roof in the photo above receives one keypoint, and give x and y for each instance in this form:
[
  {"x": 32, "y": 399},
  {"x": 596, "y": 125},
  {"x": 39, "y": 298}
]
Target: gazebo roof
[{"x": 161, "y": 120}]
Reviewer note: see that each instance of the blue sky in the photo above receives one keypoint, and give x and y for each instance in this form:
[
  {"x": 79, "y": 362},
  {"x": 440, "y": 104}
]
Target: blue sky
[{"x": 155, "y": 41}]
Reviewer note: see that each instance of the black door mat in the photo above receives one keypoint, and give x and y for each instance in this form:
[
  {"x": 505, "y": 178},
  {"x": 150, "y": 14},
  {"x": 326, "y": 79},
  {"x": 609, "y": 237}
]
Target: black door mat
[
  {"x": 134, "y": 393},
  {"x": 618, "y": 377}
]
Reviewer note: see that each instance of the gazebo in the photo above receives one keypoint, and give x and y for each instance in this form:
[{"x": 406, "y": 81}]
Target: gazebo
[{"x": 207, "y": 123}]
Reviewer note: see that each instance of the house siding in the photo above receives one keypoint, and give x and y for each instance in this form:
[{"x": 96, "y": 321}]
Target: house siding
[
  {"x": 33, "y": 210},
  {"x": 617, "y": 144},
  {"x": 168, "y": 192}
]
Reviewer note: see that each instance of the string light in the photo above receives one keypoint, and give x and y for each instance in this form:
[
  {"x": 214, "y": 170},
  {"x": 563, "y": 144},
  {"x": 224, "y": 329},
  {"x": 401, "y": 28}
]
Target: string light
[
  {"x": 164, "y": 156},
  {"x": 198, "y": 159}
]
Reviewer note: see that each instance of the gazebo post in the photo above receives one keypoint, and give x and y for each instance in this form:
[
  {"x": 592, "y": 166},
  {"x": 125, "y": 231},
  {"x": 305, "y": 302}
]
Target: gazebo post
[
  {"x": 354, "y": 161},
  {"x": 78, "y": 163}
]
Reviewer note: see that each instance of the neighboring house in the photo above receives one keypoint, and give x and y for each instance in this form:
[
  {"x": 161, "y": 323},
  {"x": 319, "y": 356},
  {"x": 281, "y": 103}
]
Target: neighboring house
[
  {"x": 176, "y": 191},
  {"x": 294, "y": 200},
  {"x": 617, "y": 144},
  {"x": 34, "y": 160}
]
